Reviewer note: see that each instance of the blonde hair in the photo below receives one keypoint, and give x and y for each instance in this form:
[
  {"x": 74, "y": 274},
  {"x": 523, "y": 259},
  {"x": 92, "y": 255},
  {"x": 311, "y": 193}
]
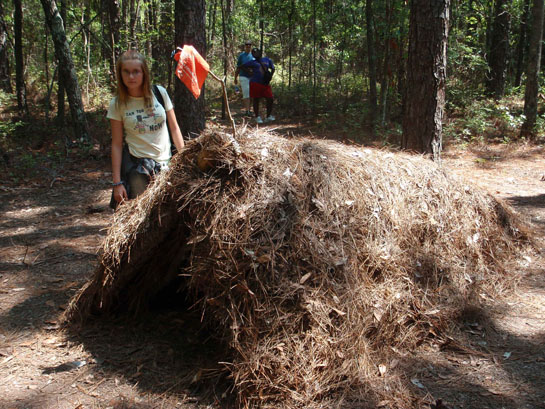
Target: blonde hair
[{"x": 122, "y": 91}]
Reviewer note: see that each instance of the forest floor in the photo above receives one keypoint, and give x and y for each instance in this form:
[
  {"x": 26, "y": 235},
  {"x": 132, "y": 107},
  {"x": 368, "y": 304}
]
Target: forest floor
[{"x": 51, "y": 228}]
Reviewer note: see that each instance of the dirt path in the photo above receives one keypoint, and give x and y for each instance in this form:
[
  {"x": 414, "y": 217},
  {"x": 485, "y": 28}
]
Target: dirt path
[{"x": 51, "y": 230}]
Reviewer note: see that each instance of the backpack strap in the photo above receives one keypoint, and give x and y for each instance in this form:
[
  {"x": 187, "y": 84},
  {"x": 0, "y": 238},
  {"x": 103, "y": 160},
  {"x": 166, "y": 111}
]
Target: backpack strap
[
  {"x": 160, "y": 99},
  {"x": 158, "y": 95},
  {"x": 266, "y": 70}
]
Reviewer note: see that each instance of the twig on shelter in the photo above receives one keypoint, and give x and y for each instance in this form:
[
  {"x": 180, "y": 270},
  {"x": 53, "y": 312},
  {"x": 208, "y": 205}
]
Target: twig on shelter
[{"x": 222, "y": 81}]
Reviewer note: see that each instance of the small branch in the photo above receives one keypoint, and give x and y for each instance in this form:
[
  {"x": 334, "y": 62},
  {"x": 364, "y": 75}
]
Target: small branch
[
  {"x": 222, "y": 81},
  {"x": 226, "y": 100}
]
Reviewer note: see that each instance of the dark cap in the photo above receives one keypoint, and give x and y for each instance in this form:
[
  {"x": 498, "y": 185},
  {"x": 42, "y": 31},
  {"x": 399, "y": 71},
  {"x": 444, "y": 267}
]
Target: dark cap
[{"x": 247, "y": 42}]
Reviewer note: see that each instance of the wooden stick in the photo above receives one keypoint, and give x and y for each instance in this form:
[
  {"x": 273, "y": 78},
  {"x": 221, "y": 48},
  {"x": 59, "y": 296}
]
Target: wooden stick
[{"x": 226, "y": 101}]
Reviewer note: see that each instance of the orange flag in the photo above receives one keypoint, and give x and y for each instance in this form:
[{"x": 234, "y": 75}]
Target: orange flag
[{"x": 192, "y": 69}]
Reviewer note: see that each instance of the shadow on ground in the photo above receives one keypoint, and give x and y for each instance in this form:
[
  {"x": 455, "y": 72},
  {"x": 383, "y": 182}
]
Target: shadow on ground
[{"x": 163, "y": 351}]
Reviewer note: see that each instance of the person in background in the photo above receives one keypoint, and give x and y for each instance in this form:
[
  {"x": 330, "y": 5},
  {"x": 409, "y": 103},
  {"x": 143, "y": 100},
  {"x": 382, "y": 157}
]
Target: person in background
[
  {"x": 139, "y": 119},
  {"x": 245, "y": 74},
  {"x": 262, "y": 69}
]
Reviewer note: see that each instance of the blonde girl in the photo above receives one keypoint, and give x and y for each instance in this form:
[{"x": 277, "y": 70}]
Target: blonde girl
[{"x": 137, "y": 118}]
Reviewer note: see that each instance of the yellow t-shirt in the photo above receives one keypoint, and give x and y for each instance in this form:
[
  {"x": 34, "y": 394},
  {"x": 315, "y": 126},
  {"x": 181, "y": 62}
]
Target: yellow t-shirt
[{"x": 145, "y": 127}]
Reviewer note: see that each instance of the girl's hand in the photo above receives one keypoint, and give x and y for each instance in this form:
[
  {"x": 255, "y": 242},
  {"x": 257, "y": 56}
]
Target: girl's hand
[{"x": 120, "y": 194}]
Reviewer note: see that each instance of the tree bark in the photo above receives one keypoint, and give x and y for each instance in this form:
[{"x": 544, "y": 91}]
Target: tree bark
[
  {"x": 532, "y": 70},
  {"x": 114, "y": 24},
  {"x": 5, "y": 73},
  {"x": 386, "y": 66},
  {"x": 60, "y": 82},
  {"x": 134, "y": 11},
  {"x": 19, "y": 60},
  {"x": 149, "y": 25},
  {"x": 124, "y": 23},
  {"x": 224, "y": 17},
  {"x": 499, "y": 47},
  {"x": 212, "y": 14},
  {"x": 426, "y": 75},
  {"x": 521, "y": 46},
  {"x": 46, "y": 73},
  {"x": 291, "y": 15},
  {"x": 314, "y": 56},
  {"x": 371, "y": 58},
  {"x": 189, "y": 22},
  {"x": 66, "y": 69}
]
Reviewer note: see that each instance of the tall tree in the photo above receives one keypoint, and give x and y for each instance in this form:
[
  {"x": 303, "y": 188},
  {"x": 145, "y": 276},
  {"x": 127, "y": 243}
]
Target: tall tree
[
  {"x": 5, "y": 82},
  {"x": 426, "y": 76},
  {"x": 291, "y": 15},
  {"x": 532, "y": 71},
  {"x": 60, "y": 81},
  {"x": 499, "y": 47},
  {"x": 371, "y": 58},
  {"x": 212, "y": 15},
  {"x": 189, "y": 25},
  {"x": 385, "y": 83},
  {"x": 521, "y": 45},
  {"x": 66, "y": 68},
  {"x": 19, "y": 60},
  {"x": 134, "y": 12},
  {"x": 114, "y": 24},
  {"x": 225, "y": 15}
]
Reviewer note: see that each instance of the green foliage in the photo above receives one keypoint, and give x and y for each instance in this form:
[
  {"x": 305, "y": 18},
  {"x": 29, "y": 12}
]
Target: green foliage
[
  {"x": 327, "y": 42},
  {"x": 485, "y": 120},
  {"x": 470, "y": 68},
  {"x": 8, "y": 128}
]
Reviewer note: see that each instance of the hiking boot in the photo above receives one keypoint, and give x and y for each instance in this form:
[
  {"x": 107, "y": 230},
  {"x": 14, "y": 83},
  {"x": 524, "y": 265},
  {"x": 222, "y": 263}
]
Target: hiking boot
[
  {"x": 270, "y": 118},
  {"x": 259, "y": 120}
]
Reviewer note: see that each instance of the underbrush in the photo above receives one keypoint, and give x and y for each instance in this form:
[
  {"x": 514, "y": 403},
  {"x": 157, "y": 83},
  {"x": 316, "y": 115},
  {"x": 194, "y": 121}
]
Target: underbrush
[
  {"x": 486, "y": 120},
  {"x": 34, "y": 148}
]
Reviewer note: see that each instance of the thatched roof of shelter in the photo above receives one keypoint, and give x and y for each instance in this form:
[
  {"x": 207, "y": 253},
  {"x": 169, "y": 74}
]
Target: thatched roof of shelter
[{"x": 314, "y": 260}]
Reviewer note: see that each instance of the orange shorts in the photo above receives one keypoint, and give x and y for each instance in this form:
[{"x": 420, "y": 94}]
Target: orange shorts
[{"x": 258, "y": 90}]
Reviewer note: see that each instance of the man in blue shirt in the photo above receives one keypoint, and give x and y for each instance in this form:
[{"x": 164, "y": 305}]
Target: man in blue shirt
[
  {"x": 262, "y": 69},
  {"x": 245, "y": 74}
]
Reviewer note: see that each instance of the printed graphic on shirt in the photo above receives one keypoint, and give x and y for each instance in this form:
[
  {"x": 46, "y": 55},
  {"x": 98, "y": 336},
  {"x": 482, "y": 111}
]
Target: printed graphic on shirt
[{"x": 145, "y": 120}]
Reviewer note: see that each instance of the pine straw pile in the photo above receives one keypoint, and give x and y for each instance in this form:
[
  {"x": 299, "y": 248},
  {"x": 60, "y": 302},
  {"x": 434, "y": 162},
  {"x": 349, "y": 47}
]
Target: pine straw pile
[{"x": 317, "y": 263}]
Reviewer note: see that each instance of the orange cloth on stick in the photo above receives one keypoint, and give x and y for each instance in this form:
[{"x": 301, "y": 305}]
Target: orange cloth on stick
[{"x": 192, "y": 69}]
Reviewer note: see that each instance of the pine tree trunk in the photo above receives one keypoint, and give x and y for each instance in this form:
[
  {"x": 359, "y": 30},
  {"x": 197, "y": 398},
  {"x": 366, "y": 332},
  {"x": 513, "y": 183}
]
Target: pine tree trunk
[
  {"x": 499, "y": 47},
  {"x": 190, "y": 30},
  {"x": 155, "y": 9},
  {"x": 426, "y": 76},
  {"x": 5, "y": 73},
  {"x": 19, "y": 60},
  {"x": 385, "y": 65},
  {"x": 212, "y": 14},
  {"x": 532, "y": 71},
  {"x": 123, "y": 22},
  {"x": 60, "y": 82},
  {"x": 521, "y": 46},
  {"x": 149, "y": 26},
  {"x": 314, "y": 56},
  {"x": 46, "y": 73},
  {"x": 224, "y": 18},
  {"x": 66, "y": 69},
  {"x": 132, "y": 24},
  {"x": 371, "y": 57},
  {"x": 114, "y": 24},
  {"x": 291, "y": 41}
]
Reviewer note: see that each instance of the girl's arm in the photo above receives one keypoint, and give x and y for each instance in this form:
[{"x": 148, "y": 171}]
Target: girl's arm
[
  {"x": 120, "y": 193},
  {"x": 175, "y": 130}
]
